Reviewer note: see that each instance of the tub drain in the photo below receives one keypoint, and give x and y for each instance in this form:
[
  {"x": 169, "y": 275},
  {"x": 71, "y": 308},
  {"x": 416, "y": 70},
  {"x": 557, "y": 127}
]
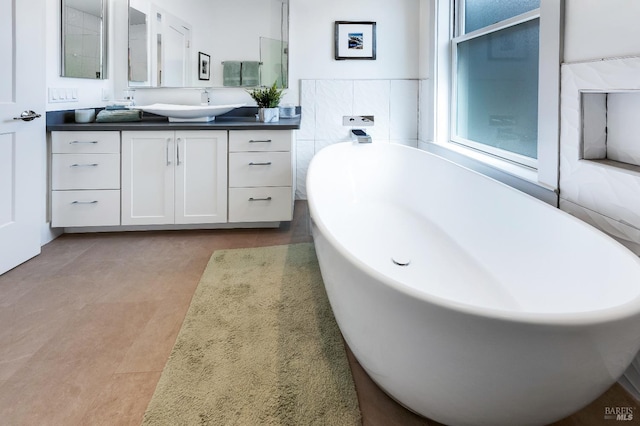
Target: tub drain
[{"x": 401, "y": 261}]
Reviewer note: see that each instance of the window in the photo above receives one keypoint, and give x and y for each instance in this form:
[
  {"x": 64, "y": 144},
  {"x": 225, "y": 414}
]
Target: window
[
  {"x": 495, "y": 65},
  {"x": 498, "y": 83}
]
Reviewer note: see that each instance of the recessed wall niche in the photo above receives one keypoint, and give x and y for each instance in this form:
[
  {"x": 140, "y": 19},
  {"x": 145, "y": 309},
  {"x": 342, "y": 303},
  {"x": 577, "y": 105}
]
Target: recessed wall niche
[{"x": 611, "y": 128}]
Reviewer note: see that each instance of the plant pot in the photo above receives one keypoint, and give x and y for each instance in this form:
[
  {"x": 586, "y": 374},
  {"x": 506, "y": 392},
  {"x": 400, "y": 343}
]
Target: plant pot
[{"x": 268, "y": 115}]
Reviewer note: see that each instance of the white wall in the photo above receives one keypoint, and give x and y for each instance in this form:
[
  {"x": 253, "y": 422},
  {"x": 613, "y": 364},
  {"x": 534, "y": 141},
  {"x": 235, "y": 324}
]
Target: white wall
[
  {"x": 312, "y": 29},
  {"x": 596, "y": 29}
]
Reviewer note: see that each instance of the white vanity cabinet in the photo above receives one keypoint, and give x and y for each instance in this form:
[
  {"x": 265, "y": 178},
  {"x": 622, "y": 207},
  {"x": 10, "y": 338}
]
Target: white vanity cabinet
[
  {"x": 261, "y": 175},
  {"x": 85, "y": 179},
  {"x": 174, "y": 177},
  {"x": 171, "y": 179}
]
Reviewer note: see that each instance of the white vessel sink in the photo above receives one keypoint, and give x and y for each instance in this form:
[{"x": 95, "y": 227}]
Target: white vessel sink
[{"x": 181, "y": 113}]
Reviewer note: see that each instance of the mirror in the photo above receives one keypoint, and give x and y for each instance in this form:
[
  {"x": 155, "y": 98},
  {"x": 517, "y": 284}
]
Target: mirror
[
  {"x": 84, "y": 38},
  {"x": 208, "y": 43}
]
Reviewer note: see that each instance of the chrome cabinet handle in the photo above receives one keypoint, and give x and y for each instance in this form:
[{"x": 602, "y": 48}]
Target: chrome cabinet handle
[
  {"x": 76, "y": 142},
  {"x": 27, "y": 116},
  {"x": 260, "y": 164},
  {"x": 84, "y": 165},
  {"x": 260, "y": 141},
  {"x": 168, "y": 158},
  {"x": 260, "y": 199},
  {"x": 178, "y": 150},
  {"x": 85, "y": 202}
]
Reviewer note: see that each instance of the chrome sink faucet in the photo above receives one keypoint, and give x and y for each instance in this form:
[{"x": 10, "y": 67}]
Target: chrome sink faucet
[{"x": 205, "y": 98}]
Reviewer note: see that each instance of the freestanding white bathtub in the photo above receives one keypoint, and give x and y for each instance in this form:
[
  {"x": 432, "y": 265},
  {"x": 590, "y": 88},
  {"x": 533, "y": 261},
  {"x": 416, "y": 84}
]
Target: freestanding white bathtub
[{"x": 468, "y": 301}]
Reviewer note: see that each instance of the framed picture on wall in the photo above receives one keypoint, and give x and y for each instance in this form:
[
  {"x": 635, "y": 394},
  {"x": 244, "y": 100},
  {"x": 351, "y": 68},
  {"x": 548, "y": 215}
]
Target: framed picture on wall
[
  {"x": 355, "y": 40},
  {"x": 204, "y": 66}
]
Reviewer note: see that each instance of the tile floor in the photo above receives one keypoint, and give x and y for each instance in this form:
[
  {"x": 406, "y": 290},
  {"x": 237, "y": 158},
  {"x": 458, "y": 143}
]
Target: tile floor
[{"x": 87, "y": 326}]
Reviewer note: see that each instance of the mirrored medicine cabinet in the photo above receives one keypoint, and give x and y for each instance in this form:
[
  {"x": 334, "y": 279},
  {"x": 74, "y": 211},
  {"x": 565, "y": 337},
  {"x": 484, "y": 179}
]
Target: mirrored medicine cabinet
[{"x": 84, "y": 39}]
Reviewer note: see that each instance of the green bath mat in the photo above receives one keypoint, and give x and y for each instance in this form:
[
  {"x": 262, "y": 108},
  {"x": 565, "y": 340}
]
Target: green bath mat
[{"x": 259, "y": 346}]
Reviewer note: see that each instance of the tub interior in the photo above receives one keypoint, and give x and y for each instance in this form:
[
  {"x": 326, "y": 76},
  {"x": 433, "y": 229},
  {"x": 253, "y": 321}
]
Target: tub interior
[{"x": 466, "y": 238}]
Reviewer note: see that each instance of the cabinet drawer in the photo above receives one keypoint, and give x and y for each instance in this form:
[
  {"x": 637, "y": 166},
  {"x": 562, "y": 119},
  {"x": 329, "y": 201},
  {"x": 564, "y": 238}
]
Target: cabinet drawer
[
  {"x": 85, "y": 171},
  {"x": 260, "y": 204},
  {"x": 85, "y": 142},
  {"x": 85, "y": 208},
  {"x": 260, "y": 140},
  {"x": 260, "y": 169}
]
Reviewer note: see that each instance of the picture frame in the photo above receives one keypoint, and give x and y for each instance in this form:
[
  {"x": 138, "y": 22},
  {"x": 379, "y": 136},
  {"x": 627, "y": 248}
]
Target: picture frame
[
  {"x": 204, "y": 66},
  {"x": 355, "y": 40}
]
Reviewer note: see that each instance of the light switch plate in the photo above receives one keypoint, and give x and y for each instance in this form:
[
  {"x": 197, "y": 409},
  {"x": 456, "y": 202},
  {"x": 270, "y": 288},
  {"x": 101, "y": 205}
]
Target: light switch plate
[{"x": 63, "y": 94}]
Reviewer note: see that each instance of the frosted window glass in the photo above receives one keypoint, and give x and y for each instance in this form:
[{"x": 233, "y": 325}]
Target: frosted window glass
[
  {"x": 497, "y": 89},
  {"x": 480, "y": 13}
]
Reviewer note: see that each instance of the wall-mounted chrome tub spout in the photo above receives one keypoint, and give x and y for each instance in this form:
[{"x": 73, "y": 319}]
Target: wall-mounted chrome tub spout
[{"x": 360, "y": 135}]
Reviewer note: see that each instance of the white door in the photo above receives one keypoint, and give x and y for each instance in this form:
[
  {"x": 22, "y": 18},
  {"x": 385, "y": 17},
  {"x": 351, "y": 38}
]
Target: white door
[
  {"x": 147, "y": 177},
  {"x": 201, "y": 177},
  {"x": 22, "y": 143}
]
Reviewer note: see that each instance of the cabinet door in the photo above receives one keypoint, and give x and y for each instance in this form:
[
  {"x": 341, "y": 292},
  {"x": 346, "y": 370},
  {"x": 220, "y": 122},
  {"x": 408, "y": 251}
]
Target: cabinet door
[
  {"x": 148, "y": 159},
  {"x": 201, "y": 177}
]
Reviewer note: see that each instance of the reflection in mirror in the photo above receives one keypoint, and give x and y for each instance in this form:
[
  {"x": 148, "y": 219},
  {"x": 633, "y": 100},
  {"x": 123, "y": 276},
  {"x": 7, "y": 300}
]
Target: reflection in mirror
[
  {"x": 246, "y": 41},
  {"x": 83, "y": 39},
  {"x": 138, "y": 70},
  {"x": 273, "y": 55}
]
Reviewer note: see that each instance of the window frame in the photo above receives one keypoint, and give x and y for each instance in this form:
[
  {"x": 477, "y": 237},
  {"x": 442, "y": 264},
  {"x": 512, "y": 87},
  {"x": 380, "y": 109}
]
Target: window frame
[
  {"x": 546, "y": 172},
  {"x": 455, "y": 41}
]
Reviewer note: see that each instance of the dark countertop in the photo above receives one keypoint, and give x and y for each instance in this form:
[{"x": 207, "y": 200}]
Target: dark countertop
[{"x": 238, "y": 119}]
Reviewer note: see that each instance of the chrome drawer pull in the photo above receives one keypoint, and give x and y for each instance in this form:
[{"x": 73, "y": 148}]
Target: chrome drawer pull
[
  {"x": 84, "y": 165},
  {"x": 260, "y": 164},
  {"x": 260, "y": 199},
  {"x": 85, "y": 202},
  {"x": 75, "y": 142},
  {"x": 259, "y": 141}
]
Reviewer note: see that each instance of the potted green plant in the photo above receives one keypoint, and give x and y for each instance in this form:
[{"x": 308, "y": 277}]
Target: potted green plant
[{"x": 268, "y": 99}]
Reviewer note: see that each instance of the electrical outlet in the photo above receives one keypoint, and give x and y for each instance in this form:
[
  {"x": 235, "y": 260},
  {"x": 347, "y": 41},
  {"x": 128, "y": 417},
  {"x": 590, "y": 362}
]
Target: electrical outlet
[
  {"x": 357, "y": 120},
  {"x": 105, "y": 95}
]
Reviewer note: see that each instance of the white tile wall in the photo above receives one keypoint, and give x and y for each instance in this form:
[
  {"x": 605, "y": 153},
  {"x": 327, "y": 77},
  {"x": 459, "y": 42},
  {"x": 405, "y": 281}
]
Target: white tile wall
[
  {"x": 393, "y": 103},
  {"x": 611, "y": 191},
  {"x": 371, "y": 97},
  {"x": 404, "y": 110},
  {"x": 605, "y": 196},
  {"x": 594, "y": 125},
  {"x": 334, "y": 99},
  {"x": 623, "y": 127},
  {"x": 425, "y": 116},
  {"x": 625, "y": 234},
  {"x": 308, "y": 119}
]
